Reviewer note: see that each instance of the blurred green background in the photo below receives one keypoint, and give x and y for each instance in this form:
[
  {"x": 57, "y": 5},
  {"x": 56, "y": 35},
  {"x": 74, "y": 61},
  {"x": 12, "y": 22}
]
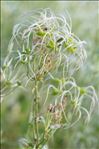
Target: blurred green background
[{"x": 15, "y": 108}]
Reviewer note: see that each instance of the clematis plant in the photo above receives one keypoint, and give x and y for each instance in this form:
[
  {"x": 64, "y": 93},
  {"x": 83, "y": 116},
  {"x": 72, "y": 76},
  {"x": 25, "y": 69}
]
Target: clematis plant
[{"x": 43, "y": 55}]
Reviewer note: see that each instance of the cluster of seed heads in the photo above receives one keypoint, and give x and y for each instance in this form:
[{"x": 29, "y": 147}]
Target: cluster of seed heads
[{"x": 43, "y": 48}]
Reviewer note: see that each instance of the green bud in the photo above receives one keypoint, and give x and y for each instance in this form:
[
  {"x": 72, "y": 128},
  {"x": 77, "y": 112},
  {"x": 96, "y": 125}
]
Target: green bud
[
  {"x": 72, "y": 48},
  {"x": 18, "y": 83},
  {"x": 55, "y": 82},
  {"x": 23, "y": 62},
  {"x": 55, "y": 92},
  {"x": 40, "y": 33},
  {"x": 27, "y": 50},
  {"x": 51, "y": 44},
  {"x": 82, "y": 91}
]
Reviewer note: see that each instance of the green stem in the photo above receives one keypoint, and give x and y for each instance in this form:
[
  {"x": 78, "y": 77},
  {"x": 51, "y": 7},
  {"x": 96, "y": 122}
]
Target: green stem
[
  {"x": 35, "y": 112},
  {"x": 46, "y": 134}
]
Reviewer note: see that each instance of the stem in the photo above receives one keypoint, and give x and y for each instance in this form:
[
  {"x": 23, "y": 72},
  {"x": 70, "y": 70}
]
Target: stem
[
  {"x": 45, "y": 138},
  {"x": 35, "y": 112},
  {"x": 46, "y": 134}
]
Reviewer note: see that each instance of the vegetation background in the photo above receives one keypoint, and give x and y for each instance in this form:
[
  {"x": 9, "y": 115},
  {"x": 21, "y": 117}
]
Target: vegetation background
[{"x": 15, "y": 108}]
